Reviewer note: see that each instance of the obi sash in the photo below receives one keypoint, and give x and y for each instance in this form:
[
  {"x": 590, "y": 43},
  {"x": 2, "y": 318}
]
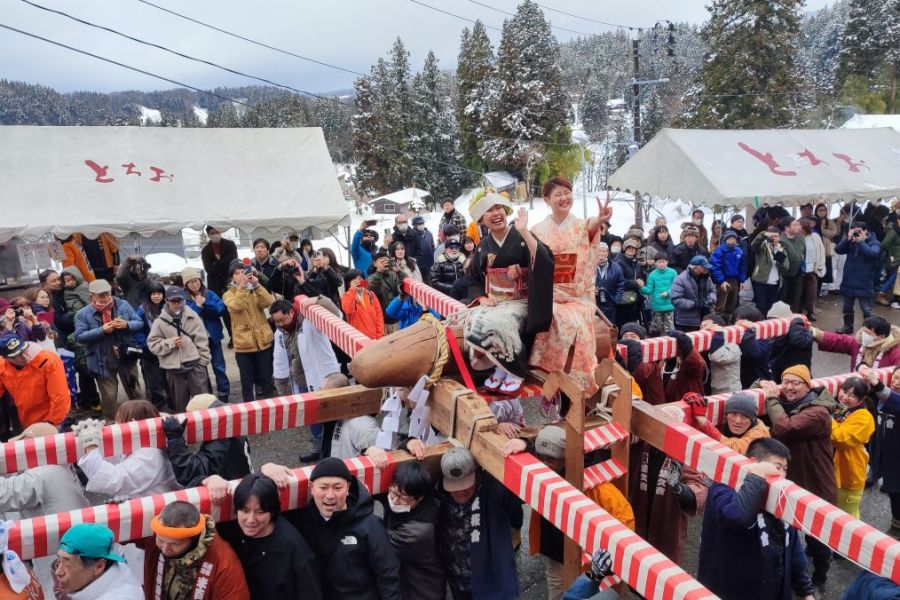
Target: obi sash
[
  {"x": 564, "y": 268},
  {"x": 502, "y": 287}
]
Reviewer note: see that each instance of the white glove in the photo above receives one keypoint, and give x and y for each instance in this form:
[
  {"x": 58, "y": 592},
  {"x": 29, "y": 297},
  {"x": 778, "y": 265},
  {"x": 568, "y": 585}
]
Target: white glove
[{"x": 88, "y": 433}]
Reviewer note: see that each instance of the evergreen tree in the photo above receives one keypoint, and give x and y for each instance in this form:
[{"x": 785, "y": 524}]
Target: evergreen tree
[
  {"x": 527, "y": 105},
  {"x": 394, "y": 107},
  {"x": 861, "y": 40},
  {"x": 593, "y": 108},
  {"x": 749, "y": 78},
  {"x": 473, "y": 73},
  {"x": 371, "y": 159}
]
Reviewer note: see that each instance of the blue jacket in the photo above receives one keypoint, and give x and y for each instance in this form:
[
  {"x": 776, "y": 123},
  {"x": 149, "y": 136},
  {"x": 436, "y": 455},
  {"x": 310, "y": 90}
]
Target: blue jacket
[
  {"x": 212, "y": 311},
  {"x": 728, "y": 263},
  {"x": 426, "y": 250},
  {"x": 362, "y": 258},
  {"x": 869, "y": 586},
  {"x": 733, "y": 526},
  {"x": 613, "y": 286},
  {"x": 862, "y": 267},
  {"x": 406, "y": 311},
  {"x": 755, "y": 357},
  {"x": 98, "y": 345},
  {"x": 692, "y": 297}
]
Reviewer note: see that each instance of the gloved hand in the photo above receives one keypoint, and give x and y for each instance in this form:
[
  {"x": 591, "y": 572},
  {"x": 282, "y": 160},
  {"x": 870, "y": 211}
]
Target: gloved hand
[
  {"x": 673, "y": 479},
  {"x": 173, "y": 428},
  {"x": 634, "y": 354},
  {"x": 88, "y": 432},
  {"x": 683, "y": 342},
  {"x": 696, "y": 403},
  {"x": 601, "y": 566}
]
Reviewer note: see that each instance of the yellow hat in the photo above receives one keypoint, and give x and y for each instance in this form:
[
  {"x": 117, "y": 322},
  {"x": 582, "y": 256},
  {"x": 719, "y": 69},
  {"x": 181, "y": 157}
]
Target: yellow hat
[
  {"x": 801, "y": 371},
  {"x": 484, "y": 199}
]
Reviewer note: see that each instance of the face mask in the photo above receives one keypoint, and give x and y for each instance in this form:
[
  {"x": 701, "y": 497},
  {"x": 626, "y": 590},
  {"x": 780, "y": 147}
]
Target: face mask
[
  {"x": 698, "y": 221},
  {"x": 867, "y": 340},
  {"x": 215, "y": 238},
  {"x": 367, "y": 244},
  {"x": 402, "y": 227},
  {"x": 615, "y": 249},
  {"x": 398, "y": 508},
  {"x": 420, "y": 227}
]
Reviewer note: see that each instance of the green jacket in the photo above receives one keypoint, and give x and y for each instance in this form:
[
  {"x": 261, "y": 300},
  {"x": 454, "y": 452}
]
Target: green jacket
[
  {"x": 386, "y": 286},
  {"x": 891, "y": 245},
  {"x": 659, "y": 282},
  {"x": 796, "y": 253},
  {"x": 765, "y": 258}
]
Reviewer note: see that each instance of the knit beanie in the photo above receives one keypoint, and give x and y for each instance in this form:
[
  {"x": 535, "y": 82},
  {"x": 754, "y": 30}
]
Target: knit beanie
[
  {"x": 331, "y": 467},
  {"x": 801, "y": 371},
  {"x": 744, "y": 404},
  {"x": 779, "y": 309},
  {"x": 634, "y": 328}
]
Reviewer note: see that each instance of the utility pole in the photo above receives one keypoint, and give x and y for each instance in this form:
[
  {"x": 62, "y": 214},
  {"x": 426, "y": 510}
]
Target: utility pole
[{"x": 636, "y": 120}]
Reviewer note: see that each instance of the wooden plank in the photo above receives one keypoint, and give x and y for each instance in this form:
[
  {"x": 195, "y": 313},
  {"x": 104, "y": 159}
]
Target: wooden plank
[
  {"x": 622, "y": 410},
  {"x": 347, "y": 402}
]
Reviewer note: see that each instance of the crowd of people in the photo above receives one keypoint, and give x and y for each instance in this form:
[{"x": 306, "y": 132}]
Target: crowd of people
[{"x": 534, "y": 290}]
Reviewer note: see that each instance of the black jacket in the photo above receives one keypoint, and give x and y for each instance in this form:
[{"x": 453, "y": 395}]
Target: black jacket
[
  {"x": 410, "y": 241},
  {"x": 328, "y": 281},
  {"x": 229, "y": 458},
  {"x": 755, "y": 358},
  {"x": 63, "y": 318},
  {"x": 631, "y": 270},
  {"x": 352, "y": 549},
  {"x": 682, "y": 255},
  {"x": 795, "y": 348},
  {"x": 413, "y": 538},
  {"x": 217, "y": 268},
  {"x": 279, "y": 566},
  {"x": 445, "y": 272}
]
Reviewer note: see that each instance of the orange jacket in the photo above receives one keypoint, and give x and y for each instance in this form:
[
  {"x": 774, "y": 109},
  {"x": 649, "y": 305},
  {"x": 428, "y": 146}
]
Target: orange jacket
[
  {"x": 473, "y": 232},
  {"x": 364, "y": 313},
  {"x": 40, "y": 389},
  {"x": 75, "y": 257}
]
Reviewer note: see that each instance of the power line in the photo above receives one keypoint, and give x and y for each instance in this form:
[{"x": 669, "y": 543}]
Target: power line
[
  {"x": 175, "y": 52},
  {"x": 512, "y": 14},
  {"x": 250, "y": 40},
  {"x": 589, "y": 19},
  {"x": 448, "y": 13}
]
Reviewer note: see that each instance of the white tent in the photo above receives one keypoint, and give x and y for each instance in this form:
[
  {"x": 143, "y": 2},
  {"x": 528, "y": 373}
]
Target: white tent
[
  {"x": 145, "y": 180},
  {"x": 870, "y": 121},
  {"x": 736, "y": 167}
]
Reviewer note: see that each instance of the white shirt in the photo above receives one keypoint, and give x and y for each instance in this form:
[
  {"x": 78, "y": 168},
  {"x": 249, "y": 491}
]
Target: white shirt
[
  {"x": 118, "y": 583},
  {"x": 145, "y": 472}
]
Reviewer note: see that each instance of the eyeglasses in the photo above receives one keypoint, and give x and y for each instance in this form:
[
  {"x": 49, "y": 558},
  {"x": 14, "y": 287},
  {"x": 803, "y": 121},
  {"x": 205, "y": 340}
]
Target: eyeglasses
[{"x": 399, "y": 498}]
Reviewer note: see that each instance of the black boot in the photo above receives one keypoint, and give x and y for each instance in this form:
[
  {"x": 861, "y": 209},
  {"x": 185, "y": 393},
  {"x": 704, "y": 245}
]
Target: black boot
[
  {"x": 315, "y": 452},
  {"x": 848, "y": 324}
]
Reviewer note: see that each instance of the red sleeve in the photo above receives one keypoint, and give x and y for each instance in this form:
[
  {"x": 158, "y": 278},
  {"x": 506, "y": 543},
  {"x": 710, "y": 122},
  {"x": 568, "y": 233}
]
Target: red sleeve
[{"x": 837, "y": 342}]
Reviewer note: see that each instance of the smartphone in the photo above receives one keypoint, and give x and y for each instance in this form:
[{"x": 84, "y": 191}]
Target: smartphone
[{"x": 371, "y": 222}]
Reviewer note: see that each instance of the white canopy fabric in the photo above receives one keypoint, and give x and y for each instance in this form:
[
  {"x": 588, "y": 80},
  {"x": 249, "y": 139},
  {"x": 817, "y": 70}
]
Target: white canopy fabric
[
  {"x": 404, "y": 196},
  {"x": 735, "y": 167},
  {"x": 144, "y": 180},
  {"x": 870, "y": 121}
]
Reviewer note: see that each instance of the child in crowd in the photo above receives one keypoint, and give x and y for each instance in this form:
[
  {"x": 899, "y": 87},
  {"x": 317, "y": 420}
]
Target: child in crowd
[
  {"x": 853, "y": 426},
  {"x": 360, "y": 305},
  {"x": 75, "y": 289},
  {"x": 659, "y": 288}
]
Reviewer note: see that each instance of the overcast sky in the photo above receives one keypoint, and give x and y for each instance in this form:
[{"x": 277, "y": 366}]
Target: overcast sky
[{"x": 348, "y": 33}]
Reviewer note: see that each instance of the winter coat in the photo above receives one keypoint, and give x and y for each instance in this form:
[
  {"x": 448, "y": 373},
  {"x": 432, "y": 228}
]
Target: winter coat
[
  {"x": 364, "y": 312},
  {"x": 455, "y": 218},
  {"x": 755, "y": 358},
  {"x": 667, "y": 248},
  {"x": 265, "y": 268},
  {"x": 690, "y": 377},
  {"x": 413, "y": 536},
  {"x": 218, "y": 574},
  {"x": 410, "y": 241},
  {"x": 328, "y": 281},
  {"x": 743, "y": 244},
  {"x": 39, "y": 390},
  {"x": 891, "y": 247},
  {"x": 795, "y": 248},
  {"x": 75, "y": 257},
  {"x": 738, "y": 443},
  {"x": 734, "y": 525},
  {"x": 728, "y": 263},
  {"x": 682, "y": 255},
  {"x": 862, "y": 267},
  {"x": 118, "y": 583},
  {"x": 386, "y": 286},
  {"x": 817, "y": 267},
  {"x": 445, "y": 271},
  {"x": 362, "y": 257},
  {"x": 805, "y": 428},
  {"x": 216, "y": 267},
  {"x": 101, "y": 360},
  {"x": 133, "y": 290},
  {"x": 795, "y": 348},
  {"x": 767, "y": 258},
  {"x": 649, "y": 378},
  {"x": 63, "y": 316},
  {"x": 78, "y": 297},
  {"x": 41, "y": 490},
  {"x": 280, "y": 566},
  {"x": 885, "y": 443},
  {"x": 659, "y": 282},
  {"x": 212, "y": 310},
  {"x": 849, "y": 435},
  {"x": 355, "y": 558},
  {"x": 406, "y": 311},
  {"x": 490, "y": 553},
  {"x": 725, "y": 365},
  {"x": 426, "y": 243},
  {"x": 693, "y": 297},
  {"x": 144, "y": 472},
  {"x": 828, "y": 228},
  {"x": 250, "y": 330},
  {"x": 884, "y": 353},
  {"x": 869, "y": 586},
  {"x": 195, "y": 344},
  {"x": 613, "y": 285}
]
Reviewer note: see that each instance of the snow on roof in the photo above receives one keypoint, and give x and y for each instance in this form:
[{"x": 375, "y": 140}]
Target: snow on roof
[
  {"x": 868, "y": 121},
  {"x": 501, "y": 179},
  {"x": 404, "y": 196}
]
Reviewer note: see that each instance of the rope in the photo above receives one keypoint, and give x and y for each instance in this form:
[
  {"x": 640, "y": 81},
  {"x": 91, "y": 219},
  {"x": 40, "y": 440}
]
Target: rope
[{"x": 441, "y": 353}]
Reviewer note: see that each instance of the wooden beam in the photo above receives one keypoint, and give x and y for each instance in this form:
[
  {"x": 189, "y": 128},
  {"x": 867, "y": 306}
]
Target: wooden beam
[{"x": 348, "y": 402}]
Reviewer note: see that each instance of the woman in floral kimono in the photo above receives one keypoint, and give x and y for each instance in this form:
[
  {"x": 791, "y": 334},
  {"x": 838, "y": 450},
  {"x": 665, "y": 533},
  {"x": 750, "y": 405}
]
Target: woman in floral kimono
[{"x": 569, "y": 345}]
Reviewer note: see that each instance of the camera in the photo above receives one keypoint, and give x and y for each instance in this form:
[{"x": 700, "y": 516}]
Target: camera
[
  {"x": 291, "y": 269},
  {"x": 19, "y": 311}
]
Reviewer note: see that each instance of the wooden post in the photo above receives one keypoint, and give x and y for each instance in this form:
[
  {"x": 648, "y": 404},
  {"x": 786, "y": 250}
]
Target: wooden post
[{"x": 574, "y": 475}]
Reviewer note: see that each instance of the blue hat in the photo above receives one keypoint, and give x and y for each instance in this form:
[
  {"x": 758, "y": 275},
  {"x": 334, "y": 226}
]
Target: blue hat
[
  {"x": 418, "y": 220},
  {"x": 730, "y": 233},
  {"x": 90, "y": 540},
  {"x": 700, "y": 261},
  {"x": 12, "y": 345}
]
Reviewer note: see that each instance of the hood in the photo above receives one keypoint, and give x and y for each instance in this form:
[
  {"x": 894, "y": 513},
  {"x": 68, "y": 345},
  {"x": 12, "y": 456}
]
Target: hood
[
  {"x": 74, "y": 272},
  {"x": 888, "y": 343},
  {"x": 816, "y": 397}
]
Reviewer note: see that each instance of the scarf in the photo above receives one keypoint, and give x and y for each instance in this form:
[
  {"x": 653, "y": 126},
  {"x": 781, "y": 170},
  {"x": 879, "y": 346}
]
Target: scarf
[
  {"x": 176, "y": 577},
  {"x": 105, "y": 310},
  {"x": 872, "y": 355}
]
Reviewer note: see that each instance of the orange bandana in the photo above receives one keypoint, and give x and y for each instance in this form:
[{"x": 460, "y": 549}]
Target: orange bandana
[{"x": 178, "y": 533}]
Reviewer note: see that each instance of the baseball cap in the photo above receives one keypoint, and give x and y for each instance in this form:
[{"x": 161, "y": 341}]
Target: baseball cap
[
  {"x": 700, "y": 261},
  {"x": 452, "y": 244},
  {"x": 458, "y": 469},
  {"x": 90, "y": 540},
  {"x": 418, "y": 220},
  {"x": 551, "y": 442},
  {"x": 12, "y": 345},
  {"x": 174, "y": 292},
  {"x": 99, "y": 286}
]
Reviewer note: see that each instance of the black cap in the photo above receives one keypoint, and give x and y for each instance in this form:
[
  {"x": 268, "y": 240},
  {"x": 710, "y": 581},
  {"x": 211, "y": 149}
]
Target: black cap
[
  {"x": 331, "y": 467},
  {"x": 174, "y": 292},
  {"x": 634, "y": 328}
]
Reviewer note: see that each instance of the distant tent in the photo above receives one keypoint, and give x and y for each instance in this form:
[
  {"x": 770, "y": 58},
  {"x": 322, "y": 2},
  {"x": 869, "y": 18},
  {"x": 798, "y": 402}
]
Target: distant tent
[
  {"x": 872, "y": 121},
  {"x": 778, "y": 166},
  {"x": 501, "y": 181},
  {"x": 400, "y": 201}
]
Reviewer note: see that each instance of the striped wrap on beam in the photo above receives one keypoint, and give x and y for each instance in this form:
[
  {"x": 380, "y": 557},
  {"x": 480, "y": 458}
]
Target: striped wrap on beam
[{"x": 343, "y": 334}]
